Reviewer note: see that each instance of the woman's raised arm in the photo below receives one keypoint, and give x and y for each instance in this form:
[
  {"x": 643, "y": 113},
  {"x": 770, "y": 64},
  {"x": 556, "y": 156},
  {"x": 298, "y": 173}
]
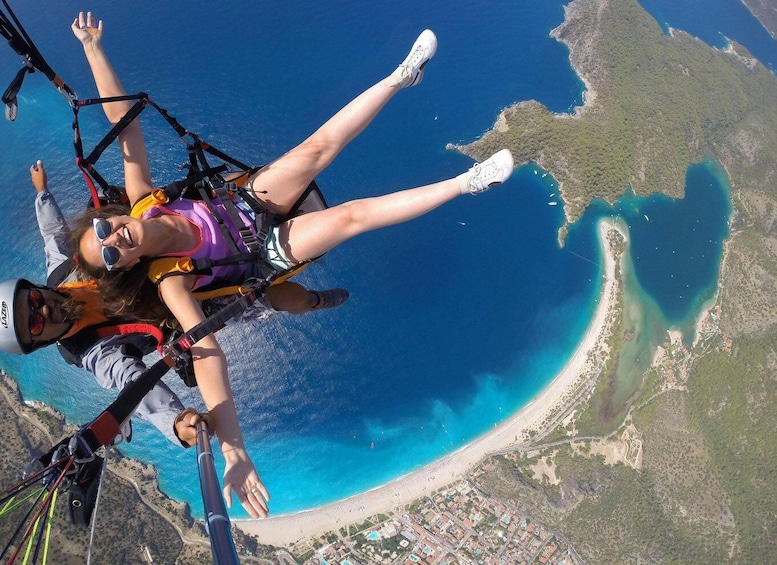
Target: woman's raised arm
[{"x": 137, "y": 174}]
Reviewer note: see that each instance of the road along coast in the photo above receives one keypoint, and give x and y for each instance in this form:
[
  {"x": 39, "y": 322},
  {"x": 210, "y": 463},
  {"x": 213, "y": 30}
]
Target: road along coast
[{"x": 542, "y": 413}]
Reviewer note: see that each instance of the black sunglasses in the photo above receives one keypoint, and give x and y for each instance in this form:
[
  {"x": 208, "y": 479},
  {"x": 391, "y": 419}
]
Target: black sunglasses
[{"x": 103, "y": 230}]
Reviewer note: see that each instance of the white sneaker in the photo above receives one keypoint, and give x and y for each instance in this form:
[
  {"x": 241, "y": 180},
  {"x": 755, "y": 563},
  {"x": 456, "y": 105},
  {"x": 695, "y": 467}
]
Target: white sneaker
[
  {"x": 411, "y": 71},
  {"x": 482, "y": 176}
]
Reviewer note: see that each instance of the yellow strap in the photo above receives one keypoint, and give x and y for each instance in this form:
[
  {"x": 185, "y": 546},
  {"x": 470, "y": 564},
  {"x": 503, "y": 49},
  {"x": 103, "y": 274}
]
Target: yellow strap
[
  {"x": 163, "y": 266},
  {"x": 216, "y": 293},
  {"x": 31, "y": 539},
  {"x": 48, "y": 526},
  {"x": 171, "y": 266},
  {"x": 156, "y": 197},
  {"x": 294, "y": 271}
]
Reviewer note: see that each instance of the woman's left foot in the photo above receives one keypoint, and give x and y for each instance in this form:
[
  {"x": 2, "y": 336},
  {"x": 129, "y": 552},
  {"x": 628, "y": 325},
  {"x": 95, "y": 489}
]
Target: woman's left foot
[
  {"x": 411, "y": 71},
  {"x": 482, "y": 176}
]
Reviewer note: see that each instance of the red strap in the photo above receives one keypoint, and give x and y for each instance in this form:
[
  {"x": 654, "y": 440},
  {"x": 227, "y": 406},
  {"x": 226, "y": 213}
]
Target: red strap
[
  {"x": 89, "y": 183},
  {"x": 137, "y": 328},
  {"x": 105, "y": 428}
]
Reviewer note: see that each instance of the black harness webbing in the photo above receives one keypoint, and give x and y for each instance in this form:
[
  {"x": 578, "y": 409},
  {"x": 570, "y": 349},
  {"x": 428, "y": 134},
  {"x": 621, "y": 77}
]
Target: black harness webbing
[
  {"x": 220, "y": 193},
  {"x": 110, "y": 137},
  {"x": 223, "y": 191},
  {"x": 198, "y": 166},
  {"x": 12, "y": 30}
]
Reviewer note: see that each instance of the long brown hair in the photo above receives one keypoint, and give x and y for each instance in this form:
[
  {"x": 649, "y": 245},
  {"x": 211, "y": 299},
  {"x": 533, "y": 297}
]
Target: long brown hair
[{"x": 124, "y": 292}]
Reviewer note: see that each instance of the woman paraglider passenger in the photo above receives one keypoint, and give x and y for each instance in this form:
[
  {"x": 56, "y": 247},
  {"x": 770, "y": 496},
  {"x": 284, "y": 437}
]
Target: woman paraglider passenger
[{"x": 116, "y": 244}]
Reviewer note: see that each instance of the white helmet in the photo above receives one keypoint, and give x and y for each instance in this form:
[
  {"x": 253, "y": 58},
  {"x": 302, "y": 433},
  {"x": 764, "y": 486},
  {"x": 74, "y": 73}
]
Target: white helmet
[{"x": 9, "y": 337}]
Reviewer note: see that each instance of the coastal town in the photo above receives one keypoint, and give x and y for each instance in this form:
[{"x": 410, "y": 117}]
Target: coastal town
[{"x": 462, "y": 524}]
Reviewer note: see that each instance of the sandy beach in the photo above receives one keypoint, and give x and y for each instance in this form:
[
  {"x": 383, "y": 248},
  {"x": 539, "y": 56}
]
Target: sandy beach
[{"x": 555, "y": 399}]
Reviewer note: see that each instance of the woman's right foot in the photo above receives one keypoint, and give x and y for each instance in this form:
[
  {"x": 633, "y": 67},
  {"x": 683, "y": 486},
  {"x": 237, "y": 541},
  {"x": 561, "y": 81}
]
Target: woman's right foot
[
  {"x": 482, "y": 176},
  {"x": 411, "y": 71}
]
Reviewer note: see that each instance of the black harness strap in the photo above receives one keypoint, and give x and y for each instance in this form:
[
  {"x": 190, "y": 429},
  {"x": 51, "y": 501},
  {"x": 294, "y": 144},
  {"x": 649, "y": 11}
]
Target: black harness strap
[
  {"x": 121, "y": 125},
  {"x": 199, "y": 169},
  {"x": 224, "y": 192},
  {"x": 9, "y": 96},
  {"x": 22, "y": 43},
  {"x": 86, "y": 164},
  {"x": 223, "y": 156},
  {"x": 221, "y": 190},
  {"x": 12, "y": 30},
  {"x": 206, "y": 199},
  {"x": 205, "y": 264},
  {"x": 175, "y": 189}
]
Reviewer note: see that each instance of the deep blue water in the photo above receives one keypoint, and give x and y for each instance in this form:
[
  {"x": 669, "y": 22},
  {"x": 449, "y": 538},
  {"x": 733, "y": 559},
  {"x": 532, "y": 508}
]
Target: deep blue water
[
  {"x": 715, "y": 20},
  {"x": 677, "y": 240},
  {"x": 455, "y": 320}
]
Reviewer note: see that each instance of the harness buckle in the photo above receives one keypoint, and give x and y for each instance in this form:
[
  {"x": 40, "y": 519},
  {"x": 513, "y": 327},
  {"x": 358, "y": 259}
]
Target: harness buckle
[
  {"x": 220, "y": 187},
  {"x": 249, "y": 239},
  {"x": 75, "y": 445},
  {"x": 113, "y": 193}
]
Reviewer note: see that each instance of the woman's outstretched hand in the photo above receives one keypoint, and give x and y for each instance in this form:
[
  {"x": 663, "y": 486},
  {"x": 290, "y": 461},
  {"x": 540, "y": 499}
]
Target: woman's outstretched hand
[
  {"x": 87, "y": 29},
  {"x": 241, "y": 478}
]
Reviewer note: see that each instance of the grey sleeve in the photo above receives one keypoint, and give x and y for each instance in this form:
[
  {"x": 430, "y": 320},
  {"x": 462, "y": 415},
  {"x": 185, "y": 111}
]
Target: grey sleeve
[
  {"x": 111, "y": 363},
  {"x": 54, "y": 230}
]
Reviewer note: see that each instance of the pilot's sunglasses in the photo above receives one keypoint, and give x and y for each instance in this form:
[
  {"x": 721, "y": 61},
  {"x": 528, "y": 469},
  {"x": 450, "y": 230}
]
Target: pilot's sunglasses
[
  {"x": 37, "y": 319},
  {"x": 103, "y": 230}
]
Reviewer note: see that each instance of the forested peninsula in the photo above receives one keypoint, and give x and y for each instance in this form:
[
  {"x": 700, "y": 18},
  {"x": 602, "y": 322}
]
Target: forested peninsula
[{"x": 654, "y": 103}]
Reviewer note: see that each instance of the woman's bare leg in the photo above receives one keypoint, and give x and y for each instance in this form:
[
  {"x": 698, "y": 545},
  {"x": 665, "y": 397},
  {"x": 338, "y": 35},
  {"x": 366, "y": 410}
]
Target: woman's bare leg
[
  {"x": 280, "y": 184},
  {"x": 311, "y": 235},
  {"x": 314, "y": 234}
]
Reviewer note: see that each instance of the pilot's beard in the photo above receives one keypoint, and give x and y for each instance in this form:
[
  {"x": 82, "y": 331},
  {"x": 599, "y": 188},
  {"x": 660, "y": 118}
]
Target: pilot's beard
[{"x": 72, "y": 309}]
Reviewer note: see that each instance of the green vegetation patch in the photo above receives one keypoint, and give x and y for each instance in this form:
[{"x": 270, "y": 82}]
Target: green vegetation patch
[{"x": 732, "y": 401}]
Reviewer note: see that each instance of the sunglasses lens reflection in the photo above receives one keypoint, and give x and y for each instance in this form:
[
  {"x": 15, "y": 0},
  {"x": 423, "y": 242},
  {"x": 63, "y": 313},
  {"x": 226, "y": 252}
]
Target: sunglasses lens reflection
[
  {"x": 102, "y": 229},
  {"x": 111, "y": 256},
  {"x": 36, "y": 299},
  {"x": 37, "y": 323}
]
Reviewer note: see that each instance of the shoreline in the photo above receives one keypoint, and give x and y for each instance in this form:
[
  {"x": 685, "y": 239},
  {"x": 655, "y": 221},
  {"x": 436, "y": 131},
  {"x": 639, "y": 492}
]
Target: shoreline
[{"x": 552, "y": 403}]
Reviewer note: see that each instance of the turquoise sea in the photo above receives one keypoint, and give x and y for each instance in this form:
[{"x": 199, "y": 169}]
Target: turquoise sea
[{"x": 457, "y": 319}]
